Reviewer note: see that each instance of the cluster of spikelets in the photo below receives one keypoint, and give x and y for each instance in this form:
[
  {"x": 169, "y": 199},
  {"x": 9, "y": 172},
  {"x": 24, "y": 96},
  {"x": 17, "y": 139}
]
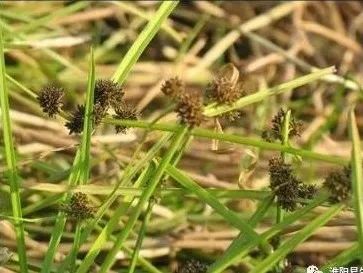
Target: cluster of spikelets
[
  {"x": 224, "y": 89},
  {"x": 339, "y": 185},
  {"x": 192, "y": 266},
  {"x": 189, "y": 105},
  {"x": 107, "y": 94},
  {"x": 79, "y": 207},
  {"x": 286, "y": 186},
  {"x": 277, "y": 125}
]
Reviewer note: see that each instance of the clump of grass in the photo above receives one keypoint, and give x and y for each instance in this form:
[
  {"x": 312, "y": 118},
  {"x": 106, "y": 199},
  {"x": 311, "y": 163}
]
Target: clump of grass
[
  {"x": 339, "y": 185},
  {"x": 286, "y": 186},
  {"x": 79, "y": 207},
  {"x": 50, "y": 99},
  {"x": 193, "y": 266}
]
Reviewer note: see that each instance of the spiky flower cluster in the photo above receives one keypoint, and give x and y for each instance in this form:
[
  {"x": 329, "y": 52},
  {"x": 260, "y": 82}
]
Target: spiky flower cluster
[
  {"x": 193, "y": 266},
  {"x": 189, "y": 107},
  {"x": 276, "y": 130},
  {"x": 124, "y": 111},
  {"x": 50, "y": 99},
  {"x": 224, "y": 90},
  {"x": 79, "y": 207},
  {"x": 173, "y": 88},
  {"x": 338, "y": 183},
  {"x": 75, "y": 123},
  {"x": 107, "y": 94},
  {"x": 286, "y": 186}
]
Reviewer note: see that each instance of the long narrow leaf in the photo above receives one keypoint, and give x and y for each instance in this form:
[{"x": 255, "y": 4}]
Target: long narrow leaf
[
  {"x": 143, "y": 40},
  {"x": 12, "y": 173},
  {"x": 300, "y": 237},
  {"x": 357, "y": 178}
]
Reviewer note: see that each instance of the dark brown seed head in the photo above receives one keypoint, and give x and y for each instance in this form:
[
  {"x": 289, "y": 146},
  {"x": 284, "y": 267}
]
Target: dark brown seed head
[
  {"x": 276, "y": 132},
  {"x": 174, "y": 87},
  {"x": 79, "y": 207},
  {"x": 50, "y": 99},
  {"x": 99, "y": 113},
  {"x": 124, "y": 111},
  {"x": 108, "y": 93},
  {"x": 193, "y": 266},
  {"x": 190, "y": 109},
  {"x": 338, "y": 183},
  {"x": 307, "y": 191},
  {"x": 223, "y": 90},
  {"x": 286, "y": 186},
  {"x": 75, "y": 124}
]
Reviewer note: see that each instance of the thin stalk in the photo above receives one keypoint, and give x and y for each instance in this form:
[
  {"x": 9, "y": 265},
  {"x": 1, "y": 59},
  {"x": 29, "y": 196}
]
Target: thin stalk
[
  {"x": 249, "y": 141},
  {"x": 135, "y": 212},
  {"x": 216, "y": 109},
  {"x": 143, "y": 40},
  {"x": 357, "y": 178},
  {"x": 13, "y": 177},
  {"x": 300, "y": 237},
  {"x": 140, "y": 237}
]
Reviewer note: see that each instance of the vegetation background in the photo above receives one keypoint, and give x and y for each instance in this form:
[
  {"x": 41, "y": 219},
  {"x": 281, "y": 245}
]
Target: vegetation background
[{"x": 162, "y": 196}]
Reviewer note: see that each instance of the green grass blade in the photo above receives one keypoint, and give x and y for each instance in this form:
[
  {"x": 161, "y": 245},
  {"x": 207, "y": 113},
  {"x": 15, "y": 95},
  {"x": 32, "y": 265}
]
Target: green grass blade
[
  {"x": 143, "y": 40},
  {"x": 249, "y": 141},
  {"x": 135, "y": 212},
  {"x": 61, "y": 219},
  {"x": 88, "y": 121},
  {"x": 211, "y": 200},
  {"x": 300, "y": 237},
  {"x": 10, "y": 157},
  {"x": 84, "y": 158},
  {"x": 214, "y": 109},
  {"x": 107, "y": 230},
  {"x": 140, "y": 238},
  {"x": 242, "y": 245},
  {"x": 342, "y": 258},
  {"x": 357, "y": 178},
  {"x": 77, "y": 170},
  {"x": 133, "y": 9}
]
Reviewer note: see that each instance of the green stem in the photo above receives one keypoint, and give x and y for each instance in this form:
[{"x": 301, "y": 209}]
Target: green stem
[
  {"x": 249, "y": 141},
  {"x": 12, "y": 173}
]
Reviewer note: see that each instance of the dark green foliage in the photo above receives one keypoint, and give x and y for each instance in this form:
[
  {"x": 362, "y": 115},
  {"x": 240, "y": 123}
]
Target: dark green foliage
[
  {"x": 50, "y": 99},
  {"x": 339, "y": 185}
]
